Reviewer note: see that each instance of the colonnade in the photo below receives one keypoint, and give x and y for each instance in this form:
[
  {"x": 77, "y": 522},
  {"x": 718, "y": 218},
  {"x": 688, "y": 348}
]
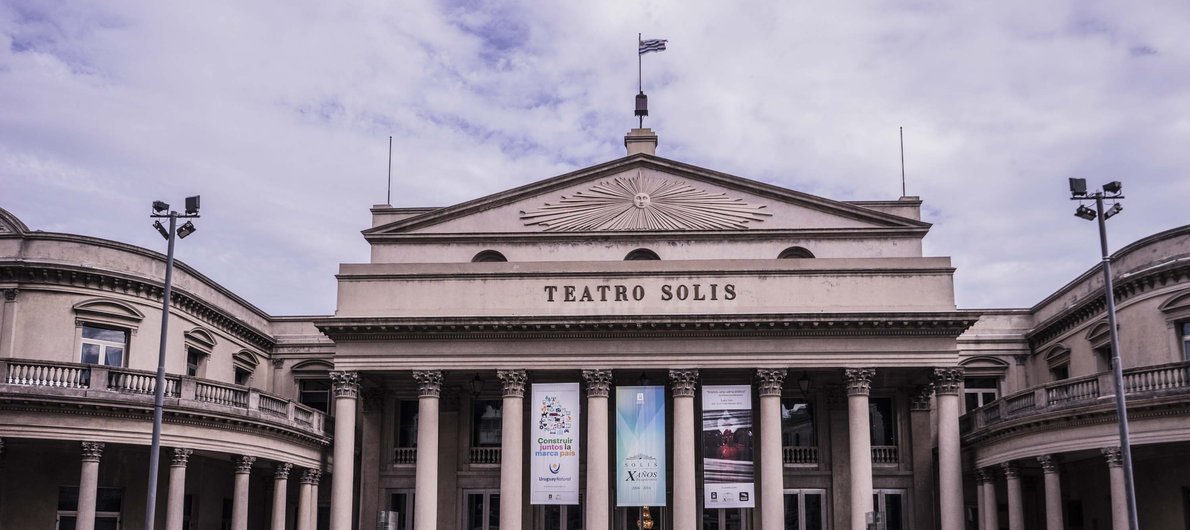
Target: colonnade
[{"x": 988, "y": 507}]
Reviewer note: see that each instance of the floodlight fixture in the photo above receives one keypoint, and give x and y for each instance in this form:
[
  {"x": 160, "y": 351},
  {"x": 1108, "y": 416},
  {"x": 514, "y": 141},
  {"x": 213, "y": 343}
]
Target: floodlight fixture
[
  {"x": 192, "y": 205},
  {"x": 1078, "y": 187},
  {"x": 186, "y": 230},
  {"x": 1113, "y": 187},
  {"x": 1085, "y": 213},
  {"x": 1115, "y": 209},
  {"x": 160, "y": 206},
  {"x": 161, "y": 229}
]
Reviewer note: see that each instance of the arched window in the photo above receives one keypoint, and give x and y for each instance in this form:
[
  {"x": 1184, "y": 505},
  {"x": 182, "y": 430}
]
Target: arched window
[
  {"x": 795, "y": 253},
  {"x": 641, "y": 254},
  {"x": 488, "y": 256}
]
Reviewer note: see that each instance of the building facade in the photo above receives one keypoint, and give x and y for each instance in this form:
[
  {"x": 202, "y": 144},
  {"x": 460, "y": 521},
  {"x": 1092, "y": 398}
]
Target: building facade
[{"x": 803, "y": 363}]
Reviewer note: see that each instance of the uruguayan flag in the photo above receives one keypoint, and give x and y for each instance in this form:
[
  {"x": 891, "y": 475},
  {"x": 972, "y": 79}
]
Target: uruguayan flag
[{"x": 652, "y": 45}]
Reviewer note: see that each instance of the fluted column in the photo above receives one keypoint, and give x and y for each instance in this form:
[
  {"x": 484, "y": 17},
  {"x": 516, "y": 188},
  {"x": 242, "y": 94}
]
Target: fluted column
[
  {"x": 239, "y": 503},
  {"x": 1119, "y": 504},
  {"x": 859, "y": 385},
  {"x": 1053, "y": 493},
  {"x": 1016, "y": 508},
  {"x": 685, "y": 511},
  {"x": 981, "y": 480},
  {"x": 88, "y": 485},
  {"x": 280, "y": 484},
  {"x": 511, "y": 443},
  {"x": 425, "y": 504},
  {"x": 177, "y": 488},
  {"x": 345, "y": 387},
  {"x": 772, "y": 476},
  {"x": 991, "y": 516},
  {"x": 950, "y": 465},
  {"x": 307, "y": 510},
  {"x": 598, "y": 386}
]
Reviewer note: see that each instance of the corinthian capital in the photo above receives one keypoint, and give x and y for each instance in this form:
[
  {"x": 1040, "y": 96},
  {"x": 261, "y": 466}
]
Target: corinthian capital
[
  {"x": 180, "y": 456},
  {"x": 429, "y": 382},
  {"x": 345, "y": 384},
  {"x": 769, "y": 381},
  {"x": 683, "y": 382},
  {"x": 243, "y": 463},
  {"x": 859, "y": 380},
  {"x": 1115, "y": 458},
  {"x": 92, "y": 451},
  {"x": 310, "y": 476},
  {"x": 599, "y": 382},
  {"x": 513, "y": 382},
  {"x": 947, "y": 380}
]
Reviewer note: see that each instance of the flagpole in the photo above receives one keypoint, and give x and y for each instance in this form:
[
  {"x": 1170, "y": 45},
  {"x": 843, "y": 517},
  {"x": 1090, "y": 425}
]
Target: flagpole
[{"x": 640, "y": 84}]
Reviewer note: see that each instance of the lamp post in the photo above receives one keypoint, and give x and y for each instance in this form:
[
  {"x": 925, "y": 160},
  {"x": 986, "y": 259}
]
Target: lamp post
[
  {"x": 161, "y": 211},
  {"x": 1111, "y": 191}
]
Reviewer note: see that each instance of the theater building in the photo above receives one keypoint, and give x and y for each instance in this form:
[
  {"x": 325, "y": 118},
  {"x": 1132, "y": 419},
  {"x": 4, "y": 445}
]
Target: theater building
[{"x": 638, "y": 344}]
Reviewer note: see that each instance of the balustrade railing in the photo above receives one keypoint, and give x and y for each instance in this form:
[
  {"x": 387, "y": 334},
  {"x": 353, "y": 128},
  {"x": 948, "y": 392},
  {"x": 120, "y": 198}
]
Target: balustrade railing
[
  {"x": 41, "y": 373},
  {"x": 274, "y": 406},
  {"x": 1157, "y": 378},
  {"x": 139, "y": 382},
  {"x": 884, "y": 454},
  {"x": 1072, "y": 390},
  {"x": 484, "y": 456},
  {"x": 221, "y": 394},
  {"x": 405, "y": 456},
  {"x": 794, "y": 455},
  {"x": 1020, "y": 402}
]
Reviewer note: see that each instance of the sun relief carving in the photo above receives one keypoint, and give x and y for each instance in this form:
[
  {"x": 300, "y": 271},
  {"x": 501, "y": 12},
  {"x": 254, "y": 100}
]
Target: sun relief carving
[{"x": 644, "y": 203}]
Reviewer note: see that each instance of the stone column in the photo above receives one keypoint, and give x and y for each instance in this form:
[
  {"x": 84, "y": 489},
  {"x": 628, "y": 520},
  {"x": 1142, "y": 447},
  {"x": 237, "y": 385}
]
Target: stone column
[
  {"x": 345, "y": 386},
  {"x": 772, "y": 475},
  {"x": 921, "y": 429},
  {"x": 88, "y": 485},
  {"x": 859, "y": 385},
  {"x": 511, "y": 447},
  {"x": 950, "y": 465},
  {"x": 177, "y": 488},
  {"x": 598, "y": 505},
  {"x": 981, "y": 480},
  {"x": 307, "y": 499},
  {"x": 990, "y": 517},
  {"x": 1119, "y": 504},
  {"x": 685, "y": 511},
  {"x": 1016, "y": 508},
  {"x": 1053, "y": 493},
  {"x": 280, "y": 485},
  {"x": 425, "y": 504},
  {"x": 239, "y": 503}
]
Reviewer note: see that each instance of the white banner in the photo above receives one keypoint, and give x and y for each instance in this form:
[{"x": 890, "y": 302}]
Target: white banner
[
  {"x": 554, "y": 448},
  {"x": 727, "y": 447}
]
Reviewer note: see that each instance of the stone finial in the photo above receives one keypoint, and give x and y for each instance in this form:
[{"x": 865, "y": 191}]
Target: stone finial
[
  {"x": 1115, "y": 457},
  {"x": 310, "y": 476},
  {"x": 920, "y": 398},
  {"x": 859, "y": 380},
  {"x": 947, "y": 381},
  {"x": 683, "y": 382},
  {"x": 180, "y": 457},
  {"x": 599, "y": 382},
  {"x": 1011, "y": 470},
  {"x": 92, "y": 451},
  {"x": 770, "y": 381},
  {"x": 513, "y": 382},
  {"x": 345, "y": 384},
  {"x": 243, "y": 463},
  {"x": 1049, "y": 463},
  {"x": 429, "y": 382},
  {"x": 281, "y": 470}
]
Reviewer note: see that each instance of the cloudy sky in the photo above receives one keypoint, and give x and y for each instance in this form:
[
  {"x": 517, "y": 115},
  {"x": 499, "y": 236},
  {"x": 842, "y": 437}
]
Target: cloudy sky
[{"x": 279, "y": 113}]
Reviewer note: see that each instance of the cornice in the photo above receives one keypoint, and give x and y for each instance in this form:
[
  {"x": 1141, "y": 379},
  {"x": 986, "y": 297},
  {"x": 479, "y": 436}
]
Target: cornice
[
  {"x": 495, "y": 238},
  {"x": 32, "y": 273},
  {"x": 649, "y": 269},
  {"x": 647, "y": 326}
]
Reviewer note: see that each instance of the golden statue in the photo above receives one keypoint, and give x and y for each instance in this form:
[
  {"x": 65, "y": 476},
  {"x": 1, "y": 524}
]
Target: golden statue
[{"x": 646, "y": 520}]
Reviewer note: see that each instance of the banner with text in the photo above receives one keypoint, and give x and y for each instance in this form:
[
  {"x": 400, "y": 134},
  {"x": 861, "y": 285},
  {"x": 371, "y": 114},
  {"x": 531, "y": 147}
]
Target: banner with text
[
  {"x": 727, "y": 447},
  {"x": 640, "y": 446},
  {"x": 554, "y": 447}
]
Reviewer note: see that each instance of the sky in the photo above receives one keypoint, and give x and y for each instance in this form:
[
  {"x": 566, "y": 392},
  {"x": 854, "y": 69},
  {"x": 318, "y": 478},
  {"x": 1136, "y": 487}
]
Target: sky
[{"x": 279, "y": 112}]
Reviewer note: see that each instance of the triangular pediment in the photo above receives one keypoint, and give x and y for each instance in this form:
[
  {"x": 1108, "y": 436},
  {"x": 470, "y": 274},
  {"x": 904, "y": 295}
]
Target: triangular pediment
[{"x": 644, "y": 193}]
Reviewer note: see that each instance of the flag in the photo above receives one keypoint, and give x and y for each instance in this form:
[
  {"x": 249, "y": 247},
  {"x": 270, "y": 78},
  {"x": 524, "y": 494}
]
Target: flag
[{"x": 652, "y": 45}]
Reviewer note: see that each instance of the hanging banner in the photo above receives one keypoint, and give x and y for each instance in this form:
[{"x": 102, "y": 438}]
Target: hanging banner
[
  {"x": 727, "y": 447},
  {"x": 554, "y": 447},
  {"x": 640, "y": 446}
]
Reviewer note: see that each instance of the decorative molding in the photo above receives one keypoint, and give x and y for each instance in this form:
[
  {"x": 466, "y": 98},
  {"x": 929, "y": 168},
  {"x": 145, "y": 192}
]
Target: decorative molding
[
  {"x": 344, "y": 384},
  {"x": 1012, "y": 471},
  {"x": 982, "y": 476},
  {"x": 10, "y": 295},
  {"x": 243, "y": 463},
  {"x": 180, "y": 456},
  {"x": 859, "y": 380},
  {"x": 947, "y": 381},
  {"x": 770, "y": 381},
  {"x": 920, "y": 398},
  {"x": 513, "y": 382},
  {"x": 644, "y": 203},
  {"x": 281, "y": 470},
  {"x": 683, "y": 382},
  {"x": 599, "y": 382},
  {"x": 310, "y": 476},
  {"x": 92, "y": 451},
  {"x": 1115, "y": 458},
  {"x": 429, "y": 383},
  {"x": 1049, "y": 463}
]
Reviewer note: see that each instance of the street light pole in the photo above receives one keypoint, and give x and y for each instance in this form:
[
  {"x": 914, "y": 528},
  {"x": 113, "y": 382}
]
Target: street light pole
[
  {"x": 1111, "y": 191},
  {"x": 170, "y": 235}
]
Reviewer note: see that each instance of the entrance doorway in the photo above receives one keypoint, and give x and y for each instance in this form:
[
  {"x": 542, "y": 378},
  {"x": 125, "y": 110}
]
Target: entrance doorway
[
  {"x": 727, "y": 519},
  {"x": 805, "y": 509},
  {"x": 891, "y": 506},
  {"x": 631, "y": 518}
]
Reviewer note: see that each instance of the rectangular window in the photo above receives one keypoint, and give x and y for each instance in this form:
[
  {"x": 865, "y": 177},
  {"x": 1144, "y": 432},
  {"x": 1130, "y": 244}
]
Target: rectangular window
[
  {"x": 805, "y": 509},
  {"x": 559, "y": 517},
  {"x": 797, "y": 424},
  {"x": 486, "y": 416},
  {"x": 400, "y": 511},
  {"x": 193, "y": 361},
  {"x": 883, "y": 421},
  {"x": 102, "y": 345},
  {"x": 315, "y": 393},
  {"x": 407, "y": 423},
  {"x": 483, "y": 511},
  {"x": 1186, "y": 340},
  {"x": 108, "y": 504},
  {"x": 1060, "y": 372},
  {"x": 979, "y": 391},
  {"x": 242, "y": 376},
  {"x": 890, "y": 505}
]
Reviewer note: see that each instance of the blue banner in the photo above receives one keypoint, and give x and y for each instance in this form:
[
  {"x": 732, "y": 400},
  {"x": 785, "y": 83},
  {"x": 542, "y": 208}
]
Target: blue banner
[{"x": 640, "y": 446}]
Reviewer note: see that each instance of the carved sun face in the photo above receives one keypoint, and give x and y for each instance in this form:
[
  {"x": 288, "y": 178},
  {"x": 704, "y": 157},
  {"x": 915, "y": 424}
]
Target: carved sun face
[{"x": 644, "y": 203}]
